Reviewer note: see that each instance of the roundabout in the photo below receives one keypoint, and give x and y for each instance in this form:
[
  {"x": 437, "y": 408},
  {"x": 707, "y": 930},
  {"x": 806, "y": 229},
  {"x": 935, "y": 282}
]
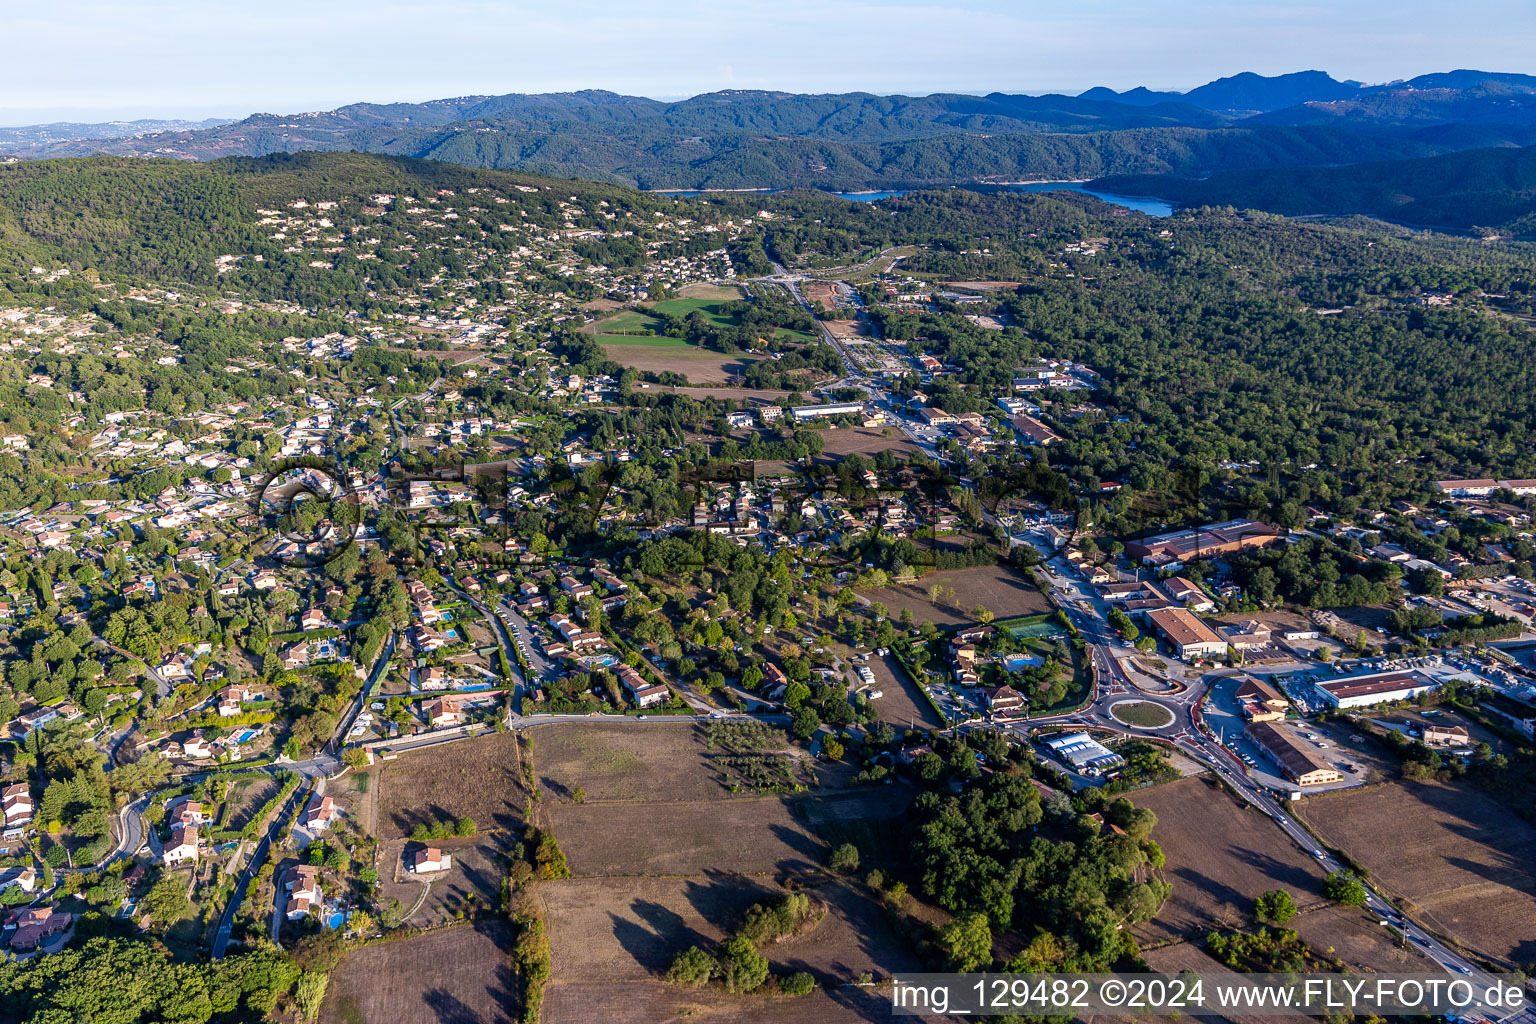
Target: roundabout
[{"x": 1141, "y": 714}]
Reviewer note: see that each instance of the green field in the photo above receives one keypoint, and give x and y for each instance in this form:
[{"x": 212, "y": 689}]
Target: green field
[{"x": 681, "y": 308}]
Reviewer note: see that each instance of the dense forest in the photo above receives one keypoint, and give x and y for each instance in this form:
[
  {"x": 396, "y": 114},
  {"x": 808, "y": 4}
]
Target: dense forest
[{"x": 1488, "y": 191}]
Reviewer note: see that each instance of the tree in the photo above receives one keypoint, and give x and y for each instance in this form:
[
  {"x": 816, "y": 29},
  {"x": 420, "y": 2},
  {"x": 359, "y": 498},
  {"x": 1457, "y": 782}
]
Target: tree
[
  {"x": 805, "y": 722},
  {"x": 692, "y": 967},
  {"x": 742, "y": 966},
  {"x": 833, "y": 748},
  {"x": 798, "y": 984},
  {"x": 845, "y": 859},
  {"x": 1343, "y": 887},
  {"x": 1274, "y": 907},
  {"x": 166, "y": 902},
  {"x": 968, "y": 942}
]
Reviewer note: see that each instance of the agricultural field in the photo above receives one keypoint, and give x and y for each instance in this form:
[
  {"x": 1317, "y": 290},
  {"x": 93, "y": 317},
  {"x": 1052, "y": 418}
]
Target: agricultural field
[
  {"x": 1221, "y": 855},
  {"x": 999, "y": 589},
  {"x": 455, "y": 975},
  {"x": 1459, "y": 860},
  {"x": 474, "y": 880},
  {"x": 610, "y": 940},
  {"x": 480, "y": 778}
]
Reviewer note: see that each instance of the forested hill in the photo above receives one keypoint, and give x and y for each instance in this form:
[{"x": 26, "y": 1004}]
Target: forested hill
[
  {"x": 1489, "y": 191},
  {"x": 754, "y": 139}
]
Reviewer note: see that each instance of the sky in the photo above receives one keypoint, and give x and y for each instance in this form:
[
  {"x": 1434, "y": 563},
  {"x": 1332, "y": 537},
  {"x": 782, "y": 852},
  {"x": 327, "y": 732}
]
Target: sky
[{"x": 80, "y": 61}]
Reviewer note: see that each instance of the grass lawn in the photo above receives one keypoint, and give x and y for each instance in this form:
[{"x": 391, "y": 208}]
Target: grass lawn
[
  {"x": 1142, "y": 713},
  {"x": 681, "y": 308},
  {"x": 629, "y": 321}
]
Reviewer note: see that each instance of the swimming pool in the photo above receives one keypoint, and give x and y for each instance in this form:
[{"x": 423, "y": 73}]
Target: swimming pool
[
  {"x": 246, "y": 736},
  {"x": 336, "y": 920}
]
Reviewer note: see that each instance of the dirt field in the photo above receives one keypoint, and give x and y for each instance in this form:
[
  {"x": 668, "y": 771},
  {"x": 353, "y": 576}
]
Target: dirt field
[
  {"x": 251, "y": 797},
  {"x": 1221, "y": 855},
  {"x": 451, "y": 976},
  {"x": 479, "y": 778},
  {"x": 661, "y": 761},
  {"x": 711, "y": 292},
  {"x": 824, "y": 292},
  {"x": 1004, "y": 593},
  {"x": 757, "y": 836},
  {"x": 479, "y": 865},
  {"x": 1461, "y": 860},
  {"x": 697, "y": 364},
  {"x": 864, "y": 441},
  {"x": 903, "y": 704},
  {"x": 610, "y": 938}
]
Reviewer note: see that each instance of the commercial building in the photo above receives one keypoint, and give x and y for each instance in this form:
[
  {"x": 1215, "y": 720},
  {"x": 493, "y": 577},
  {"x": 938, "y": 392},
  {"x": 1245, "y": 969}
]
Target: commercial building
[
  {"x": 1031, "y": 431},
  {"x": 1084, "y": 753},
  {"x": 1376, "y": 688},
  {"x": 1189, "y": 636},
  {"x": 1203, "y": 542},
  {"x": 1260, "y": 701},
  {"x": 803, "y": 413},
  {"x": 1286, "y": 750}
]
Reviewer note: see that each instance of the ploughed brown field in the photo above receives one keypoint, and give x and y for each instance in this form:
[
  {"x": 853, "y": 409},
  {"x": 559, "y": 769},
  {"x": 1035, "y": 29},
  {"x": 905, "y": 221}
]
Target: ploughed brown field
[
  {"x": 478, "y": 778},
  {"x": 1002, "y": 591},
  {"x": 1464, "y": 864},
  {"x": 458, "y": 975}
]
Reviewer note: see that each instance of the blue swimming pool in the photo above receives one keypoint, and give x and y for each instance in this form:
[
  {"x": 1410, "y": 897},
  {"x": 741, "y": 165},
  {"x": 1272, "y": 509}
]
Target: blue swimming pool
[
  {"x": 246, "y": 736},
  {"x": 336, "y": 920}
]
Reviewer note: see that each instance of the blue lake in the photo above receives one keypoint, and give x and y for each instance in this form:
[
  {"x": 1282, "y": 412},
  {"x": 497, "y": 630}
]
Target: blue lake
[{"x": 1151, "y": 206}]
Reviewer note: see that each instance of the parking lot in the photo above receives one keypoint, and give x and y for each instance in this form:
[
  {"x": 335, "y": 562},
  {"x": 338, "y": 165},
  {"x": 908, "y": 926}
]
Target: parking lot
[{"x": 1224, "y": 718}]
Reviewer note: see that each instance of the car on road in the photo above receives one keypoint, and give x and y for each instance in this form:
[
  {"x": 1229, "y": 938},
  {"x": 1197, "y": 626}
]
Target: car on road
[{"x": 1318, "y": 854}]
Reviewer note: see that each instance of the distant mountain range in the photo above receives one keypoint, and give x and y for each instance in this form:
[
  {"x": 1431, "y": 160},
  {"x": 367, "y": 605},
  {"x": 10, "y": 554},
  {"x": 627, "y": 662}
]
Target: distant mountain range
[
  {"x": 29, "y": 136},
  {"x": 754, "y": 139}
]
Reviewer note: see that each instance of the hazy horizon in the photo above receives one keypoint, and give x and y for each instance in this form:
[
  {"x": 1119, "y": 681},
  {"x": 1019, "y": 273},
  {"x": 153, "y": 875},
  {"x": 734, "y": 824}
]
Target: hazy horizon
[{"x": 94, "y": 62}]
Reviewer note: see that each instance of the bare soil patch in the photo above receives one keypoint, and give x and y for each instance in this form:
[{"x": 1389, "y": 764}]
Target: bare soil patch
[
  {"x": 1462, "y": 862},
  {"x": 697, "y": 364},
  {"x": 903, "y": 704},
  {"x": 1002, "y": 591},
  {"x": 479, "y": 778},
  {"x": 869, "y": 441},
  {"x": 450, "y": 976}
]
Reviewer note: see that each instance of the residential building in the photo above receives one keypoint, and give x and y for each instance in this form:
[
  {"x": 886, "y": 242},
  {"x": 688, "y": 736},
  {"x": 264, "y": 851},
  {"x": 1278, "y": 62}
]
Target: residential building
[
  {"x": 182, "y": 847},
  {"x": 430, "y": 860}
]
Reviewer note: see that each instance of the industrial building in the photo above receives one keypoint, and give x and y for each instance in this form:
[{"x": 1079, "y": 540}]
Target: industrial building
[
  {"x": 1203, "y": 542},
  {"x": 1376, "y": 688},
  {"x": 1303, "y": 766},
  {"x": 1084, "y": 753}
]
